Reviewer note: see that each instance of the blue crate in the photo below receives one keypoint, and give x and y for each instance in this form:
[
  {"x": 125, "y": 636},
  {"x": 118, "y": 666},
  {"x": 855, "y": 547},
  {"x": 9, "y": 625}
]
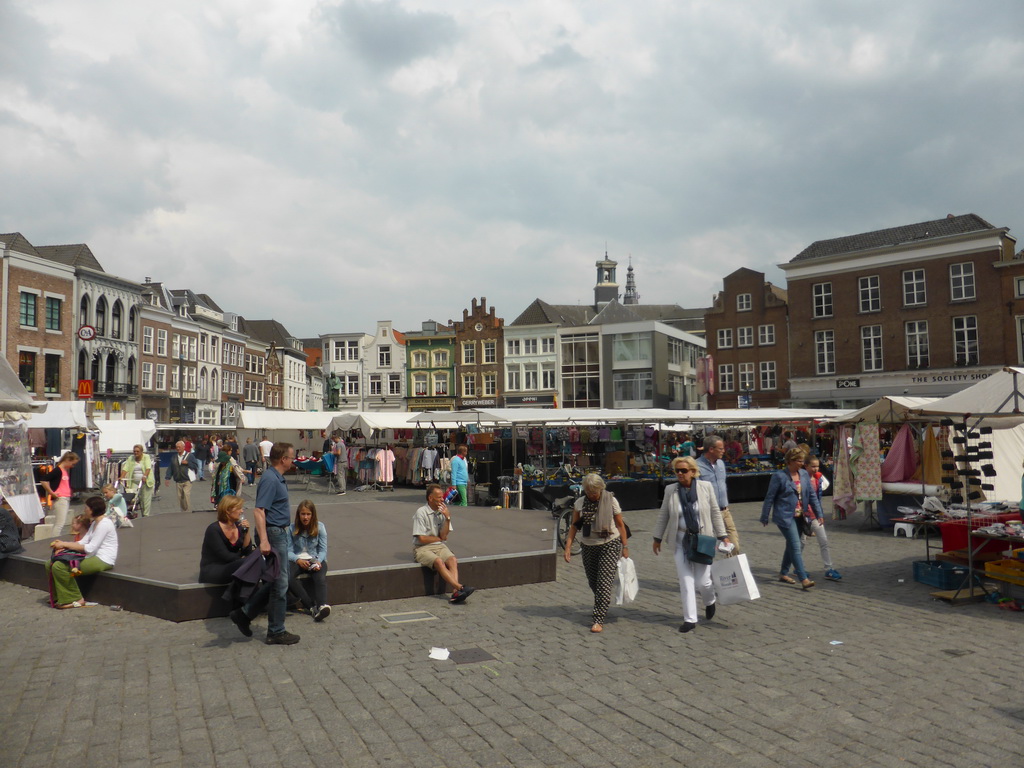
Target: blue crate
[{"x": 942, "y": 575}]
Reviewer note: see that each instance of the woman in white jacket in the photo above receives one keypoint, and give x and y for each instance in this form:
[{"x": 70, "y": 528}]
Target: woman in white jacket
[{"x": 689, "y": 508}]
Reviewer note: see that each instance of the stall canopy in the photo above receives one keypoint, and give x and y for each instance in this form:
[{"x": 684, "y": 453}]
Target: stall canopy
[
  {"x": 14, "y": 398},
  {"x": 120, "y": 436},
  {"x": 271, "y": 420},
  {"x": 998, "y": 400},
  {"x": 629, "y": 415},
  {"x": 890, "y": 410},
  {"x": 367, "y": 421},
  {"x": 63, "y": 414}
]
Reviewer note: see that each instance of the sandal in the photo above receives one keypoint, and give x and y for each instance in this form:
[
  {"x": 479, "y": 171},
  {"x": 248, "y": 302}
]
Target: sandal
[
  {"x": 787, "y": 579},
  {"x": 806, "y": 583},
  {"x": 76, "y": 604},
  {"x": 597, "y": 628}
]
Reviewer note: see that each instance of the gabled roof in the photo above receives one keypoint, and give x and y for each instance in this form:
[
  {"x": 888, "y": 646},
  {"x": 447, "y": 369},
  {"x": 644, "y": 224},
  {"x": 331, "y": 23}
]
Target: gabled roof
[
  {"x": 209, "y": 302},
  {"x": 269, "y": 331},
  {"x": 76, "y": 255},
  {"x": 542, "y": 313},
  {"x": 15, "y": 241},
  {"x": 613, "y": 312},
  {"x": 399, "y": 337},
  {"x": 887, "y": 238}
]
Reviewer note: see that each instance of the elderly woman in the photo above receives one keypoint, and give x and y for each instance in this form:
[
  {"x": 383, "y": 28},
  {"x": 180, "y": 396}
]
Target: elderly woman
[
  {"x": 138, "y": 473},
  {"x": 99, "y": 547},
  {"x": 226, "y": 543},
  {"x": 57, "y": 484},
  {"x": 228, "y": 476},
  {"x": 690, "y": 509},
  {"x": 789, "y": 495},
  {"x": 597, "y": 519}
]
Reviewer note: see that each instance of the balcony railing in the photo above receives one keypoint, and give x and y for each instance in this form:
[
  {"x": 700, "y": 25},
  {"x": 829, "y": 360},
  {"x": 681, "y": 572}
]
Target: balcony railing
[{"x": 110, "y": 388}]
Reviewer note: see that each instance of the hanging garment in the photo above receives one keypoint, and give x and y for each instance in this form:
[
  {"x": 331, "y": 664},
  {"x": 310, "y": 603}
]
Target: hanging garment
[
  {"x": 901, "y": 462},
  {"x": 867, "y": 463},
  {"x": 385, "y": 465},
  {"x": 843, "y": 502}
]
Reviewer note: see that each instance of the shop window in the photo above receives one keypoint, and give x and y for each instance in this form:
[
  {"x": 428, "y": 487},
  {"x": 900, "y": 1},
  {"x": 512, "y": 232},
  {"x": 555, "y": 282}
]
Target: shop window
[{"x": 27, "y": 370}]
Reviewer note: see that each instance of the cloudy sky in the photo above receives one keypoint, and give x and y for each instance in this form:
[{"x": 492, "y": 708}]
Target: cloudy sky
[{"x": 329, "y": 164}]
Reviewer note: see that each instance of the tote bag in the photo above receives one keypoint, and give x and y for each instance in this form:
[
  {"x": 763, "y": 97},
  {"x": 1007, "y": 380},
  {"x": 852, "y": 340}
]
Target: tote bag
[{"x": 733, "y": 581}]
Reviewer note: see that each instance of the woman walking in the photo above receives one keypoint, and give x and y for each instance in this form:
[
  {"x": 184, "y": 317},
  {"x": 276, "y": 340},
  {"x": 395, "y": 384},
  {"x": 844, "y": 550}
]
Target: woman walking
[{"x": 789, "y": 495}]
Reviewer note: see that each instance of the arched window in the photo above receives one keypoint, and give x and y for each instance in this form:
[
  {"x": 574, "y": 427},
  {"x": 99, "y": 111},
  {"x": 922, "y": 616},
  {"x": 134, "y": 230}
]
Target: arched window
[
  {"x": 214, "y": 384},
  {"x": 132, "y": 317},
  {"x": 131, "y": 375},
  {"x": 95, "y": 367},
  {"x": 115, "y": 320},
  {"x": 203, "y": 383},
  {"x": 83, "y": 364},
  {"x": 83, "y": 311},
  {"x": 101, "y": 316},
  {"x": 110, "y": 372}
]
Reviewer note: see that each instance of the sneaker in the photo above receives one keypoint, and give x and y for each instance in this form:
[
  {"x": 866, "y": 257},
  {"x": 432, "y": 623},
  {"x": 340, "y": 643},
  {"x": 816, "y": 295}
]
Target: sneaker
[
  {"x": 341, "y": 493},
  {"x": 282, "y": 638},
  {"x": 460, "y": 595},
  {"x": 241, "y": 621},
  {"x": 322, "y": 613},
  {"x": 833, "y": 575}
]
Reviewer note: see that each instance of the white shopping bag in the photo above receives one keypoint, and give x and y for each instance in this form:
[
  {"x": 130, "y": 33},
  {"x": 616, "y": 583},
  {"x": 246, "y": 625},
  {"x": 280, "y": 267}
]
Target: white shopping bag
[
  {"x": 733, "y": 581},
  {"x": 626, "y": 586}
]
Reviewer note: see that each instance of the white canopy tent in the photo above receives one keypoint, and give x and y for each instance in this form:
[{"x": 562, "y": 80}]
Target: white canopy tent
[
  {"x": 628, "y": 415},
  {"x": 14, "y": 398},
  {"x": 16, "y": 482},
  {"x": 300, "y": 428},
  {"x": 63, "y": 414},
  {"x": 890, "y": 409},
  {"x": 121, "y": 435}
]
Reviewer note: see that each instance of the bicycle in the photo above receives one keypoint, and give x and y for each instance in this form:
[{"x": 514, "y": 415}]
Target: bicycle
[{"x": 565, "y": 518}]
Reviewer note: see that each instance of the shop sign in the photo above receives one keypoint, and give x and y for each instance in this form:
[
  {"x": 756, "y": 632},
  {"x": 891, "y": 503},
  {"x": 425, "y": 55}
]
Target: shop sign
[
  {"x": 478, "y": 403},
  {"x": 529, "y": 400},
  {"x": 84, "y": 389},
  {"x": 87, "y": 333},
  {"x": 847, "y": 383}
]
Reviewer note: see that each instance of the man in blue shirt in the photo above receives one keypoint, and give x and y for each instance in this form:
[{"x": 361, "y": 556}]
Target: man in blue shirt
[
  {"x": 460, "y": 475},
  {"x": 712, "y": 470},
  {"x": 273, "y": 516}
]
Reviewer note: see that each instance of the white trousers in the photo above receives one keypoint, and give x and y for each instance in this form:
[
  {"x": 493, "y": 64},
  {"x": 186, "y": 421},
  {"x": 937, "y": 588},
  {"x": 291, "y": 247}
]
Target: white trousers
[
  {"x": 61, "y": 505},
  {"x": 692, "y": 576}
]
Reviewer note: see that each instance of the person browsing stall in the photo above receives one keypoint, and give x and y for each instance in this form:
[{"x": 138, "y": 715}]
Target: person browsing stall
[
  {"x": 58, "y": 485},
  {"x": 460, "y": 475},
  {"x": 431, "y": 525}
]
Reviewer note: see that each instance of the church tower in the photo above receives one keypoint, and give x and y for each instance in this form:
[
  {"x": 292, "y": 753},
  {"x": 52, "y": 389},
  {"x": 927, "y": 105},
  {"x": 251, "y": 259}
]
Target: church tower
[
  {"x": 606, "y": 289},
  {"x": 631, "y": 297}
]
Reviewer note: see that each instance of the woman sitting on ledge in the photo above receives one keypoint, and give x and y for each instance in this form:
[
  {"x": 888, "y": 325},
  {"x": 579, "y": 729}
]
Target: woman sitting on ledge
[
  {"x": 226, "y": 543},
  {"x": 99, "y": 545}
]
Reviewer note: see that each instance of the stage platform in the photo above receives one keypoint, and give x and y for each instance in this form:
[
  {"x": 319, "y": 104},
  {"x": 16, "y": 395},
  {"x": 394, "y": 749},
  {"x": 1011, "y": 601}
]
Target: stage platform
[{"x": 369, "y": 555}]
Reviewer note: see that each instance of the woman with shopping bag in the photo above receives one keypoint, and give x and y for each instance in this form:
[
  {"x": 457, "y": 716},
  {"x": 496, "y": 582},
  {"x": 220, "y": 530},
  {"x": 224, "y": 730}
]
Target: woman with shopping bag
[{"x": 689, "y": 516}]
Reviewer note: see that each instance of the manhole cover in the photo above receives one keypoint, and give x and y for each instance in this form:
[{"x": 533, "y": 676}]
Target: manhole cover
[
  {"x": 956, "y": 651},
  {"x": 407, "y": 617},
  {"x": 470, "y": 656}
]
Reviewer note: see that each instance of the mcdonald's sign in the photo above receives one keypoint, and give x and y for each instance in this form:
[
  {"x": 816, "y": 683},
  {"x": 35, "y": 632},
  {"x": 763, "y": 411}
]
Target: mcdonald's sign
[{"x": 85, "y": 389}]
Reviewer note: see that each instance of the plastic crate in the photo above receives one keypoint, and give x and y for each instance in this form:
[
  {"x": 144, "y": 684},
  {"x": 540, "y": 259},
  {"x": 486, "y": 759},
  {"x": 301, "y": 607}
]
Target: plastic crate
[
  {"x": 1006, "y": 570},
  {"x": 941, "y": 575}
]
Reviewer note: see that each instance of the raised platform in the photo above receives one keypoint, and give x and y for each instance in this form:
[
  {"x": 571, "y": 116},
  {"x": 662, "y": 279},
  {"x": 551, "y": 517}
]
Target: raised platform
[{"x": 369, "y": 556}]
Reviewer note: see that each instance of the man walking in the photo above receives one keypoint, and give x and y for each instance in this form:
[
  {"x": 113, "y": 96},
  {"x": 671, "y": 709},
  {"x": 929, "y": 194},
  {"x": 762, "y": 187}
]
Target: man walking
[
  {"x": 273, "y": 514},
  {"x": 430, "y": 527},
  {"x": 251, "y": 459},
  {"x": 460, "y": 475},
  {"x": 712, "y": 470},
  {"x": 178, "y": 471},
  {"x": 340, "y": 451},
  {"x": 265, "y": 446}
]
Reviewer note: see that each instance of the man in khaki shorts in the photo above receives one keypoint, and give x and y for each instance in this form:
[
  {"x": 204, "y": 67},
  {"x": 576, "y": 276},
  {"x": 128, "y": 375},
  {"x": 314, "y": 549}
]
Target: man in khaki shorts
[{"x": 430, "y": 527}]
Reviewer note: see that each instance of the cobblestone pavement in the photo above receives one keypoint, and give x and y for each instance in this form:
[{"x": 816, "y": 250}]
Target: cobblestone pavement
[{"x": 915, "y": 682}]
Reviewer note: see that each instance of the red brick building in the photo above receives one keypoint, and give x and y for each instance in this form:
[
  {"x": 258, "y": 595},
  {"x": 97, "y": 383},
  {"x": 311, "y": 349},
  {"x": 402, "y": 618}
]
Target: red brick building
[{"x": 479, "y": 357}]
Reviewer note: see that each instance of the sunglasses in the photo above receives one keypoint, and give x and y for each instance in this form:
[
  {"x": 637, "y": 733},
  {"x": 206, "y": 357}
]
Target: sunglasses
[{"x": 683, "y": 471}]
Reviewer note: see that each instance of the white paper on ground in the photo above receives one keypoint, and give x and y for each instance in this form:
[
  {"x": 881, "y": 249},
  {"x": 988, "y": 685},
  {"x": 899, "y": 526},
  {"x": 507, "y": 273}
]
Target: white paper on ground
[{"x": 440, "y": 654}]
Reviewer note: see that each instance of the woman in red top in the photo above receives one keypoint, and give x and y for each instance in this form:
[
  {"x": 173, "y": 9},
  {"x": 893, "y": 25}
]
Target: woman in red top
[{"x": 57, "y": 485}]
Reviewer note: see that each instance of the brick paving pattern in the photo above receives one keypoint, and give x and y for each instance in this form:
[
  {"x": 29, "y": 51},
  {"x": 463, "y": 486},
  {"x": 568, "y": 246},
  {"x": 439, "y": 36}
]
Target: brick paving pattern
[{"x": 914, "y": 683}]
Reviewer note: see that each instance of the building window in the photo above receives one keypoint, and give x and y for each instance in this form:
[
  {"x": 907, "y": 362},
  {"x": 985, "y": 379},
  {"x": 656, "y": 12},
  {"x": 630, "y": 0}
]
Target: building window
[
  {"x": 384, "y": 357},
  {"x": 350, "y": 384},
  {"x": 744, "y": 302},
  {"x": 768, "y": 377},
  {"x": 161, "y": 377},
  {"x": 870, "y": 290},
  {"x": 419, "y": 384},
  {"x": 514, "y": 377},
  {"x": 766, "y": 335},
  {"x": 676, "y": 352},
  {"x": 825, "y": 352},
  {"x": 724, "y": 338},
  {"x": 490, "y": 384},
  {"x": 917, "y": 344},
  {"x": 490, "y": 351},
  {"x": 547, "y": 344},
  {"x": 375, "y": 383},
  {"x": 27, "y": 313},
  {"x": 175, "y": 345},
  {"x": 132, "y": 319},
  {"x": 53, "y": 307},
  {"x": 440, "y": 384},
  {"x": 913, "y": 288},
  {"x": 633, "y": 386},
  {"x": 352, "y": 347},
  {"x": 965, "y": 340},
  {"x": 961, "y": 281},
  {"x": 101, "y": 316},
  {"x": 631, "y": 347},
  {"x": 394, "y": 384},
  {"x": 161, "y": 344},
  {"x": 581, "y": 371},
  {"x": 871, "y": 347},
  {"x": 147, "y": 375},
  {"x": 822, "y": 299},
  {"x": 419, "y": 359},
  {"x": 530, "y": 376},
  {"x": 441, "y": 358},
  {"x": 1018, "y": 287},
  {"x": 746, "y": 371},
  {"x": 469, "y": 385},
  {"x": 725, "y": 378},
  {"x": 469, "y": 353},
  {"x": 115, "y": 321},
  {"x": 529, "y": 346},
  {"x": 745, "y": 336},
  {"x": 27, "y": 369},
  {"x": 512, "y": 346},
  {"x": 547, "y": 376}
]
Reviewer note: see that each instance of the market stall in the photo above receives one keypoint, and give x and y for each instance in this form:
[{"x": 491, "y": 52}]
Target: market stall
[
  {"x": 17, "y": 485},
  {"x": 65, "y": 426}
]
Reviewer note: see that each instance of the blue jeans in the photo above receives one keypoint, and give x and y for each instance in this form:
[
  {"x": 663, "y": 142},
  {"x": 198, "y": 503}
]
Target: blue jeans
[
  {"x": 794, "y": 551},
  {"x": 280, "y": 542}
]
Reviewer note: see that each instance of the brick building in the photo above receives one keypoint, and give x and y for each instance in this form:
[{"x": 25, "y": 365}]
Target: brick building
[
  {"x": 747, "y": 339},
  {"x": 907, "y": 310},
  {"x": 36, "y": 314},
  {"x": 479, "y": 357}
]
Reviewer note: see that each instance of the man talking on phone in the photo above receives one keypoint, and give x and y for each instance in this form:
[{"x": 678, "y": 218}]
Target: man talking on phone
[{"x": 430, "y": 528}]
